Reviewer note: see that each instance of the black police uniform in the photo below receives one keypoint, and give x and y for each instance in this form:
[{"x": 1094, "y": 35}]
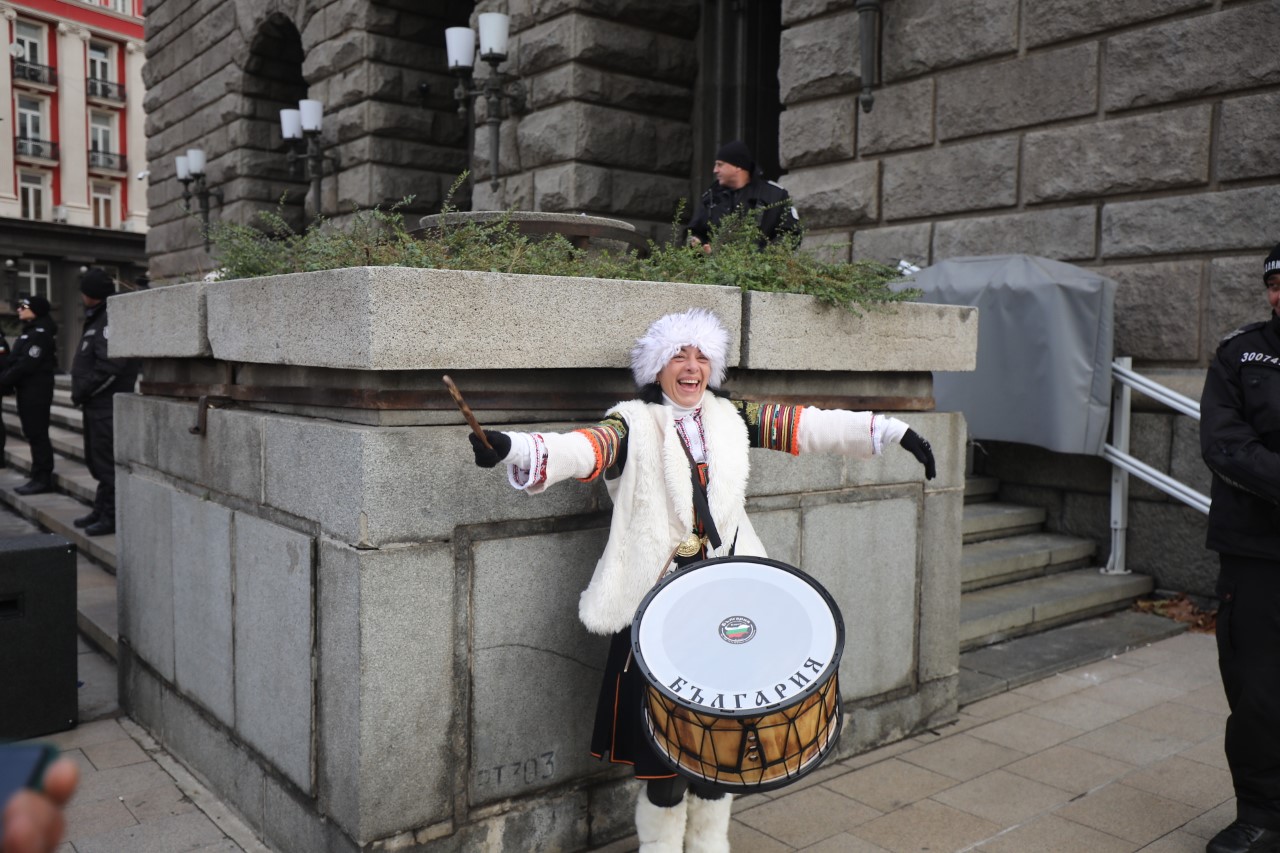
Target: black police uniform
[
  {"x": 777, "y": 217},
  {"x": 29, "y": 372},
  {"x": 4, "y": 357},
  {"x": 95, "y": 380},
  {"x": 1240, "y": 442}
]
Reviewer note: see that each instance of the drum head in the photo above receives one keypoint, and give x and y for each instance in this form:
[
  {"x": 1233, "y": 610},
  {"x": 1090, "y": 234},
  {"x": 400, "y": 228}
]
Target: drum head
[{"x": 737, "y": 636}]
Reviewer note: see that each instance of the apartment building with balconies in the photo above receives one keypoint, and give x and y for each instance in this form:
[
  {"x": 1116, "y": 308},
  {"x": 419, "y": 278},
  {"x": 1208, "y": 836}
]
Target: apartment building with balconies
[{"x": 73, "y": 163}]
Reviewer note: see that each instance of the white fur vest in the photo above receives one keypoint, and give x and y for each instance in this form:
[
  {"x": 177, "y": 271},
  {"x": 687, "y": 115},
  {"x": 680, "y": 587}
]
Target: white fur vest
[{"x": 653, "y": 506}]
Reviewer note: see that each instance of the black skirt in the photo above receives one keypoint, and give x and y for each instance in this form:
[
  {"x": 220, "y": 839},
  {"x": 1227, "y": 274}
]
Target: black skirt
[{"x": 619, "y": 733}]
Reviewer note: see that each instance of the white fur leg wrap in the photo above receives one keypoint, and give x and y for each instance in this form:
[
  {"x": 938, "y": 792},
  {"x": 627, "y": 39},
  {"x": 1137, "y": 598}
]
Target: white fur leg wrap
[
  {"x": 708, "y": 824},
  {"x": 660, "y": 830}
]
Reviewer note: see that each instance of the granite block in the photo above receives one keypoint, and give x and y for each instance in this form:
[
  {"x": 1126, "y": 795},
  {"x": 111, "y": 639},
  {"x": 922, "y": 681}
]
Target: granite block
[
  {"x": 1141, "y": 154},
  {"x": 908, "y": 336},
  {"x": 202, "y": 593},
  {"x": 1227, "y": 220},
  {"x": 231, "y": 771},
  {"x": 168, "y": 321},
  {"x": 894, "y": 243},
  {"x": 866, "y": 555},
  {"x": 980, "y": 175},
  {"x": 145, "y": 574},
  {"x": 940, "y": 584},
  {"x": 1034, "y": 89},
  {"x": 381, "y": 503},
  {"x": 386, "y": 686},
  {"x": 840, "y": 194},
  {"x": 413, "y": 319},
  {"x": 1138, "y": 72},
  {"x": 273, "y": 642},
  {"x": 1065, "y": 233},
  {"x": 536, "y": 669}
]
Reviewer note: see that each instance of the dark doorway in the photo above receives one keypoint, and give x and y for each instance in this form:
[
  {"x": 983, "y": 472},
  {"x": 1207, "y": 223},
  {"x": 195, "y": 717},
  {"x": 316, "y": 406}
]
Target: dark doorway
[
  {"x": 273, "y": 81},
  {"x": 738, "y": 91}
]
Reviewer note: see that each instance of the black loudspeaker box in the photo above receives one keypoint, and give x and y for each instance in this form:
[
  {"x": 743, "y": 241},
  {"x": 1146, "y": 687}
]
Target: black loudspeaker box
[{"x": 37, "y": 636}]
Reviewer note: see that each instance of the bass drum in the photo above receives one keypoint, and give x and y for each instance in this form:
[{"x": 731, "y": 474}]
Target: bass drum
[{"x": 740, "y": 656}]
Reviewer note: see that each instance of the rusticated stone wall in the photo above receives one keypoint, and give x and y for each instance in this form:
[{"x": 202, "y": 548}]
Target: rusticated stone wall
[
  {"x": 609, "y": 124},
  {"x": 1130, "y": 137},
  {"x": 219, "y": 71}
]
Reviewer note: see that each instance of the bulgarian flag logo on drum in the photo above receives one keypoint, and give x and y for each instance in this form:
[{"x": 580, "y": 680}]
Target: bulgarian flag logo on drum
[{"x": 737, "y": 629}]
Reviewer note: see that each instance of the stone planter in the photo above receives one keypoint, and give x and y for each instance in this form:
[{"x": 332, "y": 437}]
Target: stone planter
[{"x": 364, "y": 642}]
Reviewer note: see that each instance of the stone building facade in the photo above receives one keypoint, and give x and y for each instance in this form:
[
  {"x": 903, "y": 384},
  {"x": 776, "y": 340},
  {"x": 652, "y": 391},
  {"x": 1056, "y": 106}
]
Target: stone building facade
[{"x": 1128, "y": 137}]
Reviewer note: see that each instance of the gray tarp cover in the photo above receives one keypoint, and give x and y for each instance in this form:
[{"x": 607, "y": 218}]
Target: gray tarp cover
[{"x": 1045, "y": 332}]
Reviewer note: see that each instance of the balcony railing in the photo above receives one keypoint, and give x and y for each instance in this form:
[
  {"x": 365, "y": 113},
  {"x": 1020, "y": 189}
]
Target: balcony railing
[
  {"x": 34, "y": 72},
  {"x": 25, "y": 146},
  {"x": 104, "y": 89},
  {"x": 106, "y": 160}
]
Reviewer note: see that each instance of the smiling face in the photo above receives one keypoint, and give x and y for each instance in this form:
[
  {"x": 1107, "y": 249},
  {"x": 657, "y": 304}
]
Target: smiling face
[{"x": 685, "y": 376}]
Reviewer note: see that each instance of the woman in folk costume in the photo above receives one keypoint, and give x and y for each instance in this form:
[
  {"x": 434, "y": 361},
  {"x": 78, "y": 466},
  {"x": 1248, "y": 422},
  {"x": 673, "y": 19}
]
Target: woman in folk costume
[{"x": 675, "y": 465}]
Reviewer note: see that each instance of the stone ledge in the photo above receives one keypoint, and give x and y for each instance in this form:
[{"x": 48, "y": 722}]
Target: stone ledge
[{"x": 395, "y": 318}]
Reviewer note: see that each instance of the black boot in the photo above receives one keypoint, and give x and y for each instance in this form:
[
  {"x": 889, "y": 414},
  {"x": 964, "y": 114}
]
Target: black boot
[
  {"x": 1242, "y": 837},
  {"x": 101, "y": 527},
  {"x": 86, "y": 520},
  {"x": 34, "y": 487}
]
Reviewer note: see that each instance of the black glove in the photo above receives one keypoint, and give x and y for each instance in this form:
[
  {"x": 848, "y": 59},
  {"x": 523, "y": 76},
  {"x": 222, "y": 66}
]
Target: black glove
[
  {"x": 915, "y": 443},
  {"x": 485, "y": 457}
]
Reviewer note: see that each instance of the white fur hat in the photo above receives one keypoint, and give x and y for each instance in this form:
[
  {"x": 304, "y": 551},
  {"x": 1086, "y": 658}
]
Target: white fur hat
[{"x": 697, "y": 327}]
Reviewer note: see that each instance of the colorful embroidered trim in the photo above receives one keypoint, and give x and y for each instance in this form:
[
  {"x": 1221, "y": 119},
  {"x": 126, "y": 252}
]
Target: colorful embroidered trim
[
  {"x": 605, "y": 437},
  {"x": 779, "y": 427}
]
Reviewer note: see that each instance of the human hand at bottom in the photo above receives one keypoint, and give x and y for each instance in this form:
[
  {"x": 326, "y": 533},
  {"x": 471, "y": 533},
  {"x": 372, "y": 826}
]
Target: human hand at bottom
[{"x": 33, "y": 821}]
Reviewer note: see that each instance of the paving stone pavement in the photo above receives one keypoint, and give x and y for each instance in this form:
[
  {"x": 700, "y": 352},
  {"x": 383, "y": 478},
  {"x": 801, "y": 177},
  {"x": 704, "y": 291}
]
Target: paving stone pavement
[{"x": 1120, "y": 755}]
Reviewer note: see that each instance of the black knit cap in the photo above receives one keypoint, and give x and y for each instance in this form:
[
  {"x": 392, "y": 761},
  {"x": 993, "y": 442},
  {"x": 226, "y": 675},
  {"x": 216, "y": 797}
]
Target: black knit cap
[
  {"x": 737, "y": 153},
  {"x": 38, "y": 305},
  {"x": 96, "y": 284},
  {"x": 1272, "y": 264}
]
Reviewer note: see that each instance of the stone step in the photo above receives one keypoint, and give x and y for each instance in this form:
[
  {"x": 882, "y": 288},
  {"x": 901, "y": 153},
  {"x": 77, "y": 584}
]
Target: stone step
[
  {"x": 96, "y": 614},
  {"x": 61, "y": 413},
  {"x": 980, "y": 489},
  {"x": 54, "y": 512},
  {"x": 1011, "y": 558},
  {"x": 1003, "y": 666},
  {"x": 998, "y": 613},
  {"x": 69, "y": 475},
  {"x": 66, "y": 442},
  {"x": 993, "y": 519}
]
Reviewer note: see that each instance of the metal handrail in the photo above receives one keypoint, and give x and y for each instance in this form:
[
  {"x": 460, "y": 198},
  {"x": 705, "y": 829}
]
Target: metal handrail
[{"x": 1123, "y": 464}]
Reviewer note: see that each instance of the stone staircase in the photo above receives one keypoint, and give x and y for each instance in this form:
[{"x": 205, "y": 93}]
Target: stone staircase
[
  {"x": 54, "y": 511},
  {"x": 1030, "y": 599}
]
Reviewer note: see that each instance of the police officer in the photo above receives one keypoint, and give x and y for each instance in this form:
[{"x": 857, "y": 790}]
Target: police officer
[
  {"x": 1240, "y": 441},
  {"x": 738, "y": 185},
  {"x": 4, "y": 357},
  {"x": 29, "y": 372},
  {"x": 95, "y": 380}
]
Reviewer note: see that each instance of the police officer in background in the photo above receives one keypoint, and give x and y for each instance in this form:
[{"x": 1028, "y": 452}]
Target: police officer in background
[
  {"x": 739, "y": 185},
  {"x": 95, "y": 380},
  {"x": 1240, "y": 442},
  {"x": 29, "y": 372},
  {"x": 4, "y": 357}
]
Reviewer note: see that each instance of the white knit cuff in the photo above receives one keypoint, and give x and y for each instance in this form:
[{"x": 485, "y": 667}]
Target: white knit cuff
[{"x": 886, "y": 431}]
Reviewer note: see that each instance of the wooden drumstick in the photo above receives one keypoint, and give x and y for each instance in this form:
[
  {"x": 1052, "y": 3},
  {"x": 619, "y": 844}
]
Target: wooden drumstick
[{"x": 466, "y": 410}]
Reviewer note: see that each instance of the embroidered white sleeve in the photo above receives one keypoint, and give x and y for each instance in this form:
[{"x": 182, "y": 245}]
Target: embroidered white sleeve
[
  {"x": 836, "y": 431},
  {"x": 552, "y": 457}
]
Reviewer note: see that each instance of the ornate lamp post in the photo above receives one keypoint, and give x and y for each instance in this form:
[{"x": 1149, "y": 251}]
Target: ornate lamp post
[
  {"x": 305, "y": 123},
  {"x": 190, "y": 168},
  {"x": 500, "y": 89}
]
